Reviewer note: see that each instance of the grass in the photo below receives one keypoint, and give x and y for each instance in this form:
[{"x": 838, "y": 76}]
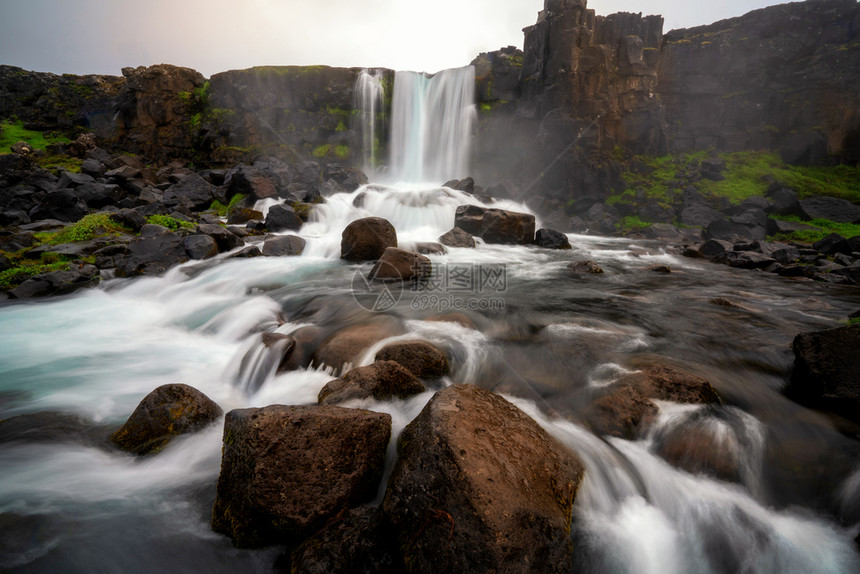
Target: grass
[
  {"x": 13, "y": 277},
  {"x": 824, "y": 228},
  {"x": 222, "y": 209},
  {"x": 13, "y": 132},
  {"x": 632, "y": 223},
  {"x": 55, "y": 162},
  {"x": 170, "y": 222},
  {"x": 88, "y": 227}
]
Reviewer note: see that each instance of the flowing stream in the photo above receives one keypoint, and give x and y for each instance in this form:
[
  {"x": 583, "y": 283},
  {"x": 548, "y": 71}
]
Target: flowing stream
[{"x": 544, "y": 337}]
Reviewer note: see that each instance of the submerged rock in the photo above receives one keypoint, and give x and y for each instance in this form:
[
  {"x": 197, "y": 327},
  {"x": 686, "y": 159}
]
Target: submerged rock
[
  {"x": 419, "y": 357},
  {"x": 382, "y": 380},
  {"x": 551, "y": 239},
  {"x": 621, "y": 411},
  {"x": 496, "y": 225},
  {"x": 347, "y": 345},
  {"x": 165, "y": 413},
  {"x": 399, "y": 264},
  {"x": 580, "y": 267},
  {"x": 670, "y": 384},
  {"x": 481, "y": 487},
  {"x": 367, "y": 239},
  {"x": 284, "y": 245},
  {"x": 281, "y": 217},
  {"x": 457, "y": 238},
  {"x": 287, "y": 470}
]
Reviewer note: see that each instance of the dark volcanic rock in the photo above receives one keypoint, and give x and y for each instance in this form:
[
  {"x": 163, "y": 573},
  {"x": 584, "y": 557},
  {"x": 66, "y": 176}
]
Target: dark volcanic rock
[
  {"x": 827, "y": 371},
  {"x": 833, "y": 244},
  {"x": 496, "y": 225},
  {"x": 551, "y": 239},
  {"x": 382, "y": 380},
  {"x": 457, "y": 238},
  {"x": 165, "y": 413},
  {"x": 62, "y": 205},
  {"x": 130, "y": 218},
  {"x": 419, "y": 357},
  {"x": 200, "y": 246},
  {"x": 832, "y": 208},
  {"x": 192, "y": 193},
  {"x": 238, "y": 215},
  {"x": 281, "y": 217},
  {"x": 367, "y": 239},
  {"x": 225, "y": 239},
  {"x": 61, "y": 282},
  {"x": 284, "y": 245},
  {"x": 479, "y": 486},
  {"x": 399, "y": 264},
  {"x": 287, "y": 470},
  {"x": 154, "y": 252}
]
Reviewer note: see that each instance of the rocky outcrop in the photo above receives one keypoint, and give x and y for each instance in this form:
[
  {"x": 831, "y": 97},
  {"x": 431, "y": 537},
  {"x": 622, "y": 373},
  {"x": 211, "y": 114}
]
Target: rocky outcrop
[
  {"x": 479, "y": 486},
  {"x": 285, "y": 471},
  {"x": 165, "y": 413}
]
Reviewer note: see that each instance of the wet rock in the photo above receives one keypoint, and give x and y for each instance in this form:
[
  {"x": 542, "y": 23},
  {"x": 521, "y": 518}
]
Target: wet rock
[
  {"x": 457, "y": 238},
  {"x": 659, "y": 268},
  {"x": 284, "y": 245},
  {"x": 225, "y": 239},
  {"x": 418, "y": 357},
  {"x": 479, "y": 486},
  {"x": 496, "y": 225},
  {"x": 621, "y": 411},
  {"x": 306, "y": 340},
  {"x": 426, "y": 248},
  {"x": 281, "y": 217},
  {"x": 667, "y": 383},
  {"x": 832, "y": 208},
  {"x": 832, "y": 244},
  {"x": 199, "y": 246},
  {"x": 367, "y": 239},
  {"x": 108, "y": 257},
  {"x": 287, "y": 470},
  {"x": 130, "y": 218},
  {"x": 744, "y": 259},
  {"x": 164, "y": 414},
  {"x": 797, "y": 271},
  {"x": 551, "y": 239},
  {"x": 62, "y": 205},
  {"x": 347, "y": 345},
  {"x": 399, "y": 264},
  {"x": 783, "y": 200},
  {"x": 237, "y": 215},
  {"x": 731, "y": 229},
  {"x": 781, "y": 252},
  {"x": 826, "y": 371},
  {"x": 700, "y": 449},
  {"x": 581, "y": 267},
  {"x": 192, "y": 193},
  {"x": 459, "y": 318},
  {"x": 382, "y": 380},
  {"x": 358, "y": 542},
  {"x": 47, "y": 426},
  {"x": 245, "y": 253},
  {"x": 713, "y": 247},
  {"x": 154, "y": 252},
  {"x": 250, "y": 181},
  {"x": 77, "y": 276}
]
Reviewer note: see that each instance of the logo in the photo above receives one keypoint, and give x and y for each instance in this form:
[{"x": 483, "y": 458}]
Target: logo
[{"x": 377, "y": 287}]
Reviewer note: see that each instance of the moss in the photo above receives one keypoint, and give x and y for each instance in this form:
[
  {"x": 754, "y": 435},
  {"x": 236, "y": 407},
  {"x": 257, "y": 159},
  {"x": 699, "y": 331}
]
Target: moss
[
  {"x": 631, "y": 223},
  {"x": 12, "y": 132},
  {"x": 13, "y": 277},
  {"x": 824, "y": 227},
  {"x": 57, "y": 162},
  {"x": 321, "y": 151},
  {"x": 341, "y": 151},
  {"x": 88, "y": 227},
  {"x": 169, "y": 222},
  {"x": 222, "y": 209}
]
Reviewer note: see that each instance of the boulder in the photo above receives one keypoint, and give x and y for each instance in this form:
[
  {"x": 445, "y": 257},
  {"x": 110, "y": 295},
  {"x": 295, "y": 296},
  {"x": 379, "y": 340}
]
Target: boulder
[
  {"x": 192, "y": 193},
  {"x": 782, "y": 252},
  {"x": 281, "y": 217},
  {"x": 225, "y": 239},
  {"x": 199, "y": 246},
  {"x": 73, "y": 180},
  {"x": 399, "y": 264},
  {"x": 98, "y": 195},
  {"x": 283, "y": 245},
  {"x": 164, "y": 414},
  {"x": 784, "y": 201},
  {"x": 731, "y": 229},
  {"x": 237, "y": 215},
  {"x": 699, "y": 215},
  {"x": 667, "y": 383},
  {"x": 713, "y": 247},
  {"x": 347, "y": 345},
  {"x": 581, "y": 267},
  {"x": 382, "y": 380},
  {"x": 700, "y": 448},
  {"x": 430, "y": 248},
  {"x": 621, "y": 411},
  {"x": 744, "y": 259},
  {"x": 457, "y": 238},
  {"x": 62, "y": 205},
  {"x": 129, "y": 218},
  {"x": 551, "y": 239},
  {"x": 61, "y": 282},
  {"x": 287, "y": 470},
  {"x": 832, "y": 208},
  {"x": 496, "y": 225},
  {"x": 826, "y": 371},
  {"x": 154, "y": 252},
  {"x": 250, "y": 181},
  {"x": 246, "y": 252},
  {"x": 418, "y": 357},
  {"x": 480, "y": 486},
  {"x": 367, "y": 239},
  {"x": 833, "y": 244}
]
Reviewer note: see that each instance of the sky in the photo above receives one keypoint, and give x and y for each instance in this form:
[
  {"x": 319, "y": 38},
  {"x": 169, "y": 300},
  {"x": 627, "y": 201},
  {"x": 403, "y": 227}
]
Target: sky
[{"x": 211, "y": 36}]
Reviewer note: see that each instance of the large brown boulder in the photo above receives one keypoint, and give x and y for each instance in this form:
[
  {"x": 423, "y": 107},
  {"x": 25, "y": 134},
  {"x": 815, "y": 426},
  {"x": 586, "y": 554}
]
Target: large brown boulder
[
  {"x": 621, "y": 411},
  {"x": 457, "y": 238},
  {"x": 496, "y": 225},
  {"x": 347, "y": 345},
  {"x": 826, "y": 370},
  {"x": 381, "y": 380},
  {"x": 165, "y": 413},
  {"x": 419, "y": 357},
  {"x": 402, "y": 265},
  {"x": 667, "y": 383},
  {"x": 479, "y": 486},
  {"x": 286, "y": 470},
  {"x": 367, "y": 239}
]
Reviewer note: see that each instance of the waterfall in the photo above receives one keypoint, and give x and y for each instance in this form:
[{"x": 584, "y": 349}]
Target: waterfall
[
  {"x": 432, "y": 119},
  {"x": 369, "y": 98}
]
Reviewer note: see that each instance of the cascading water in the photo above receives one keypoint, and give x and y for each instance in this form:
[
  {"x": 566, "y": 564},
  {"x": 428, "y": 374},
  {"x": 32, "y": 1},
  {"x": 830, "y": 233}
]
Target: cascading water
[
  {"x": 431, "y": 125},
  {"x": 369, "y": 99},
  {"x": 70, "y": 505}
]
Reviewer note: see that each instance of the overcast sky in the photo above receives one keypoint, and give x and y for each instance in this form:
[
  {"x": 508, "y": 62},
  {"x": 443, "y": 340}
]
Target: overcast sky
[{"x": 102, "y": 36}]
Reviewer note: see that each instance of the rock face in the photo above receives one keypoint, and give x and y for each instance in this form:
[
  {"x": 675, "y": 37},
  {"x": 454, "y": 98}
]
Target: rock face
[
  {"x": 419, "y": 357},
  {"x": 286, "y": 470},
  {"x": 381, "y": 380},
  {"x": 165, "y": 413},
  {"x": 479, "y": 486},
  {"x": 496, "y": 225},
  {"x": 827, "y": 370},
  {"x": 367, "y": 239}
]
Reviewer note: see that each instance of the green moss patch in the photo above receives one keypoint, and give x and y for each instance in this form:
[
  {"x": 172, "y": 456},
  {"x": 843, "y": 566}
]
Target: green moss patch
[
  {"x": 13, "y": 132},
  {"x": 170, "y": 222}
]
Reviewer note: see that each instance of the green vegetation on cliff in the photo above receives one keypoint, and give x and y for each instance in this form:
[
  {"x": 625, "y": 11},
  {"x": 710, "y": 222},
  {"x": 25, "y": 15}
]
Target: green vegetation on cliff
[{"x": 14, "y": 131}]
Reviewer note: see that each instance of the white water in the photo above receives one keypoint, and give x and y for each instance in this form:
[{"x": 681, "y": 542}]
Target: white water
[
  {"x": 431, "y": 129},
  {"x": 97, "y": 354},
  {"x": 369, "y": 99}
]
